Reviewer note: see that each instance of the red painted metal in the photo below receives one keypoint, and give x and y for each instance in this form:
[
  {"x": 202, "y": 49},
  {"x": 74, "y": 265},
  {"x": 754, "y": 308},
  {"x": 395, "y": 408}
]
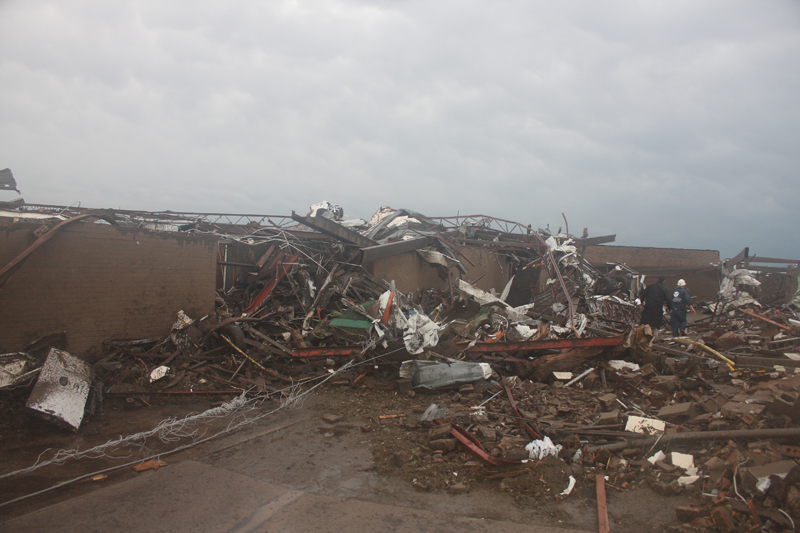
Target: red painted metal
[
  {"x": 546, "y": 344},
  {"x": 325, "y": 352},
  {"x": 474, "y": 446},
  {"x": 765, "y": 319},
  {"x": 533, "y": 432},
  {"x": 269, "y": 287}
]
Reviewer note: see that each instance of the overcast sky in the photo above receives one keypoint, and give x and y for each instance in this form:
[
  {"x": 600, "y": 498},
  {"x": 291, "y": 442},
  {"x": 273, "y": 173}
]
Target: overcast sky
[{"x": 671, "y": 124}]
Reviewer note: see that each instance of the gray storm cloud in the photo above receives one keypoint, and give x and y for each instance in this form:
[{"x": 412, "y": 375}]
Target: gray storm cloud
[{"x": 669, "y": 123}]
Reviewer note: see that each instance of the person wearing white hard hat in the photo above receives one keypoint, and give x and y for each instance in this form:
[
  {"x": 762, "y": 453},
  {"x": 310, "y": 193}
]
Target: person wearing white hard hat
[{"x": 681, "y": 300}]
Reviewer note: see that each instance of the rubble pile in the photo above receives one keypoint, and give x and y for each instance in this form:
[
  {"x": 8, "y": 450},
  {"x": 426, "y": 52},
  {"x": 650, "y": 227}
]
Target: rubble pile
[{"x": 537, "y": 388}]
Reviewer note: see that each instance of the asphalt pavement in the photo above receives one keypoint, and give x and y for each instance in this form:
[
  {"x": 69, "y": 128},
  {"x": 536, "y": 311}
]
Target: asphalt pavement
[{"x": 194, "y": 497}]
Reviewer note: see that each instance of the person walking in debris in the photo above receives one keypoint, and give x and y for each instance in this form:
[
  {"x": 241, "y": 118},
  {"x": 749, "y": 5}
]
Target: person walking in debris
[
  {"x": 654, "y": 297},
  {"x": 680, "y": 301}
]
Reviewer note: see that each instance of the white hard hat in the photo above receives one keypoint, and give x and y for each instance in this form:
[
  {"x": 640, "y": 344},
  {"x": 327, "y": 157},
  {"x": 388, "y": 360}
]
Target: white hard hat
[{"x": 681, "y": 283}]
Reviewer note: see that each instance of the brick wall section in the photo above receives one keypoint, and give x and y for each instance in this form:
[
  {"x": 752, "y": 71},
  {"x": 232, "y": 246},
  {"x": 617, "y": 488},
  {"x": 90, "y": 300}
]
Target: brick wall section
[
  {"x": 409, "y": 271},
  {"x": 495, "y": 269},
  {"x": 97, "y": 282},
  {"x": 700, "y": 268}
]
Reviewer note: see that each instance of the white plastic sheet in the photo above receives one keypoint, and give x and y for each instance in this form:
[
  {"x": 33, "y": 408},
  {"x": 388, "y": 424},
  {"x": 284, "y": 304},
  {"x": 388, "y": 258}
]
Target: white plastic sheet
[{"x": 538, "y": 449}]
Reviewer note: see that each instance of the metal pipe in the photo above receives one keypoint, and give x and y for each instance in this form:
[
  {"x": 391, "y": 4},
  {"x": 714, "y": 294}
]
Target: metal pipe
[{"x": 691, "y": 436}]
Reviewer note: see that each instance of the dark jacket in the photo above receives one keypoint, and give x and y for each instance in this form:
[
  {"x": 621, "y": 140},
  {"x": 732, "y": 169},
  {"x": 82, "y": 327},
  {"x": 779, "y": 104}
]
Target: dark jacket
[
  {"x": 655, "y": 295},
  {"x": 680, "y": 300}
]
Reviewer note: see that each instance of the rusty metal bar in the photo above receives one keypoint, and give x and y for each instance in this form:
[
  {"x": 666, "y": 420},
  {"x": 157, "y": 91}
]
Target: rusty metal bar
[
  {"x": 547, "y": 344},
  {"x": 261, "y": 262},
  {"x": 767, "y": 362},
  {"x": 46, "y": 237},
  {"x": 691, "y": 436},
  {"x": 474, "y": 446},
  {"x": 269, "y": 287},
  {"x": 603, "y": 525},
  {"x": 263, "y": 337},
  {"x": 325, "y": 352},
  {"x": 533, "y": 432},
  {"x": 765, "y": 319}
]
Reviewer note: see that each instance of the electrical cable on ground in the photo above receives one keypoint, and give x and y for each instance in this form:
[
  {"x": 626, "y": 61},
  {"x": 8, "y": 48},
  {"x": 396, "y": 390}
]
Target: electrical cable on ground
[{"x": 167, "y": 433}]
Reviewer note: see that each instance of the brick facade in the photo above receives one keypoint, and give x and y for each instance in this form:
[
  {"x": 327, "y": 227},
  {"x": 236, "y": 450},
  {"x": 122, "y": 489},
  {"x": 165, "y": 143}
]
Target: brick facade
[{"x": 97, "y": 282}]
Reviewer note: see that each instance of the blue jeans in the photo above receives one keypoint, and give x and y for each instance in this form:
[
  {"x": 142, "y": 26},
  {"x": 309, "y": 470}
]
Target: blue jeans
[{"x": 678, "y": 321}]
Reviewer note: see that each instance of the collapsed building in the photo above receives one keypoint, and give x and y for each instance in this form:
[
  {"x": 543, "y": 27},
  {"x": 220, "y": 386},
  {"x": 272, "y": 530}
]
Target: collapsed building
[{"x": 474, "y": 305}]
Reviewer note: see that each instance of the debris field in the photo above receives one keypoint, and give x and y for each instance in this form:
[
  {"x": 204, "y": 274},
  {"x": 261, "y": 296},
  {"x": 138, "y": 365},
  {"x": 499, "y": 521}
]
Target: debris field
[{"x": 538, "y": 388}]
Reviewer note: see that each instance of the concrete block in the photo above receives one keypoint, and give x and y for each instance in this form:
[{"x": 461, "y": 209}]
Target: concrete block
[
  {"x": 607, "y": 400},
  {"x": 668, "y": 383},
  {"x": 736, "y": 410},
  {"x": 679, "y": 413},
  {"x": 786, "y": 404},
  {"x": 440, "y": 432},
  {"x": 609, "y": 417},
  {"x": 757, "y": 478},
  {"x": 445, "y": 445}
]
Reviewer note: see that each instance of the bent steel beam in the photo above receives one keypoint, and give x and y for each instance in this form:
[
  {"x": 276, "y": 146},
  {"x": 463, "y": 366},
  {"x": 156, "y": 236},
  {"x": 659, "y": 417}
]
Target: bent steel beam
[{"x": 332, "y": 229}]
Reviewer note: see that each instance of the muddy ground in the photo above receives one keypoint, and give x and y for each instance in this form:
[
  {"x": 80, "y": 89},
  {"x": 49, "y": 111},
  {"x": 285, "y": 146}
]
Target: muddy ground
[{"x": 334, "y": 443}]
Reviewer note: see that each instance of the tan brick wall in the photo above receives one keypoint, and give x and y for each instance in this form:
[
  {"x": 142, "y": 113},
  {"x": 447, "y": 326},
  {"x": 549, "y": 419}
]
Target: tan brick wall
[
  {"x": 494, "y": 266},
  {"x": 410, "y": 271},
  {"x": 700, "y": 268},
  {"x": 98, "y": 282}
]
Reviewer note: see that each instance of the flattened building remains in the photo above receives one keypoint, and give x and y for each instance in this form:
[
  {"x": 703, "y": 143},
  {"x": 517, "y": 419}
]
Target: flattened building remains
[{"x": 126, "y": 304}]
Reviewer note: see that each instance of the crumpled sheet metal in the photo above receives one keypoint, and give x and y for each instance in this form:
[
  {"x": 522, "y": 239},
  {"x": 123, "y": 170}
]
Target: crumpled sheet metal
[
  {"x": 15, "y": 368},
  {"x": 615, "y": 308},
  {"x": 62, "y": 389},
  {"x": 434, "y": 375},
  {"x": 564, "y": 247},
  {"x": 737, "y": 289},
  {"x": 484, "y": 298},
  {"x": 438, "y": 258},
  {"x": 420, "y": 333}
]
